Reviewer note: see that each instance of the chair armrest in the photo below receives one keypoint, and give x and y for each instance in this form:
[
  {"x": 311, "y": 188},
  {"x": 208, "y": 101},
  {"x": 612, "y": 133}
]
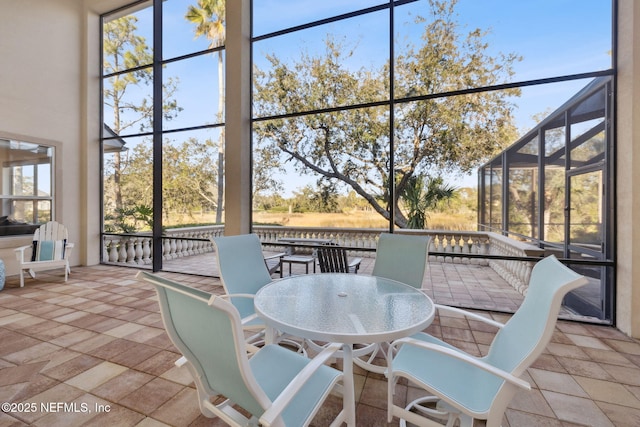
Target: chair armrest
[
  {"x": 247, "y": 319},
  {"x": 460, "y": 356},
  {"x": 469, "y": 314},
  {"x": 67, "y": 250},
  {"x": 20, "y": 252},
  {"x": 354, "y": 262},
  {"x": 278, "y": 255},
  {"x": 290, "y": 391}
]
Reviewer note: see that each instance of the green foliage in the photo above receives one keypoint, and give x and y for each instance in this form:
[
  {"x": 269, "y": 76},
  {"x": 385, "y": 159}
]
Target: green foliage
[
  {"x": 431, "y": 136},
  {"x": 419, "y": 197},
  {"x": 129, "y": 220}
]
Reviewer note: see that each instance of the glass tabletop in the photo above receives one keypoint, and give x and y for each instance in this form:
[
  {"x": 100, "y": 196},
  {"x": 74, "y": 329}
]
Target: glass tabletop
[{"x": 346, "y": 308}]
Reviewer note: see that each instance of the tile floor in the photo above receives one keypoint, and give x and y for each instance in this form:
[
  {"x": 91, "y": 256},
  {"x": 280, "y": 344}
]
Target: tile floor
[{"x": 93, "y": 352}]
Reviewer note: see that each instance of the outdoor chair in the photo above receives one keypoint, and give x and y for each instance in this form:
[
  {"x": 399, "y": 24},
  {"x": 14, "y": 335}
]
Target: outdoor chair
[
  {"x": 403, "y": 258},
  {"x": 243, "y": 271},
  {"x": 50, "y": 249},
  {"x": 463, "y": 387},
  {"x": 333, "y": 259},
  {"x": 273, "y": 387},
  {"x": 273, "y": 262}
]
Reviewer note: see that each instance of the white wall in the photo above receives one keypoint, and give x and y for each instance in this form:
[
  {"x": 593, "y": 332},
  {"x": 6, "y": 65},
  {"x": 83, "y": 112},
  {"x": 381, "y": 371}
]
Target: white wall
[
  {"x": 40, "y": 95},
  {"x": 628, "y": 170}
]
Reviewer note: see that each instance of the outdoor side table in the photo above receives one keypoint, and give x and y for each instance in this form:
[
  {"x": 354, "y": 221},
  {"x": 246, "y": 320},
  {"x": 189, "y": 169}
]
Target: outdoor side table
[{"x": 297, "y": 259}]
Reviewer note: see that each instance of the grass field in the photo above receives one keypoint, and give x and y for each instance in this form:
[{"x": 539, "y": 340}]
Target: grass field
[{"x": 360, "y": 219}]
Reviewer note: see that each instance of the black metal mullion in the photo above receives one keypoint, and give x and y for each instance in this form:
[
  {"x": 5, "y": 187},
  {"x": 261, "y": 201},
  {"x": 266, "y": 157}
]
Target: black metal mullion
[
  {"x": 157, "y": 136},
  {"x": 392, "y": 167}
]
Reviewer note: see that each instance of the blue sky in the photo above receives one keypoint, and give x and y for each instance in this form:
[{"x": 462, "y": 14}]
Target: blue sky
[{"x": 555, "y": 37}]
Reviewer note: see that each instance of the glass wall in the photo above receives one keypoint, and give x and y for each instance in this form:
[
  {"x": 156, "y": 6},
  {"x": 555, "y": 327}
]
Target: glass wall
[
  {"x": 575, "y": 168},
  {"x": 366, "y": 114},
  {"x": 163, "y": 136},
  {"x": 377, "y": 105}
]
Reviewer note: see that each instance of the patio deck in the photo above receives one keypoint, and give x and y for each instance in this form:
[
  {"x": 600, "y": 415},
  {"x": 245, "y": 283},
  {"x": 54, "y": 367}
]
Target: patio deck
[
  {"x": 98, "y": 341},
  {"x": 459, "y": 284}
]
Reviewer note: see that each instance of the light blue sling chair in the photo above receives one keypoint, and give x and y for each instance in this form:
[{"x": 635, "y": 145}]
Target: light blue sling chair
[
  {"x": 275, "y": 386},
  {"x": 461, "y": 387}
]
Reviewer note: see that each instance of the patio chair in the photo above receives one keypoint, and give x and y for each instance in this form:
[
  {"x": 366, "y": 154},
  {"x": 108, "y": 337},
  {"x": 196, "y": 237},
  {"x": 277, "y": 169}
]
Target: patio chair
[
  {"x": 333, "y": 259},
  {"x": 50, "y": 249},
  {"x": 463, "y": 387},
  {"x": 274, "y": 387},
  {"x": 243, "y": 271},
  {"x": 273, "y": 262},
  {"x": 403, "y": 258}
]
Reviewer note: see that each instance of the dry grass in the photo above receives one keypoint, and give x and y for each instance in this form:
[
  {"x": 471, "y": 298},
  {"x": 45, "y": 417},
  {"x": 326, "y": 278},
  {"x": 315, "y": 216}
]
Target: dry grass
[{"x": 360, "y": 219}]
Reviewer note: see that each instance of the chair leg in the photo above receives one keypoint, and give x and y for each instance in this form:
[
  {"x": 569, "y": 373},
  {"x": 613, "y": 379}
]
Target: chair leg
[
  {"x": 21, "y": 278},
  {"x": 433, "y": 407}
]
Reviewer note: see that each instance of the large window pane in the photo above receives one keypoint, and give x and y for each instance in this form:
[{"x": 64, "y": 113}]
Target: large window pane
[
  {"x": 129, "y": 31},
  {"x": 127, "y": 184},
  {"x": 275, "y": 15},
  {"x": 184, "y": 26},
  {"x": 128, "y": 102},
  {"x": 322, "y": 169},
  {"x": 474, "y": 43},
  {"x": 190, "y": 178},
  {"x": 194, "y": 92},
  {"x": 523, "y": 189},
  {"x": 338, "y": 64}
]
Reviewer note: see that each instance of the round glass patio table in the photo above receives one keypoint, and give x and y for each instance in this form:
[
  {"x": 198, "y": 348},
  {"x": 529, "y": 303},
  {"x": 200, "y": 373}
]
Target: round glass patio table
[{"x": 344, "y": 308}]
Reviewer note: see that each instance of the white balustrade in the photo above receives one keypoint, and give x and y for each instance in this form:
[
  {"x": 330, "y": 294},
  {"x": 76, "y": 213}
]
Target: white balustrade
[{"x": 183, "y": 242}]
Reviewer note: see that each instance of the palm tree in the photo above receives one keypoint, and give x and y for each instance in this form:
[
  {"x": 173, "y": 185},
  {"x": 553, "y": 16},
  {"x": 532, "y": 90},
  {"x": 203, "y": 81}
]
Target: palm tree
[
  {"x": 419, "y": 198},
  {"x": 209, "y": 19}
]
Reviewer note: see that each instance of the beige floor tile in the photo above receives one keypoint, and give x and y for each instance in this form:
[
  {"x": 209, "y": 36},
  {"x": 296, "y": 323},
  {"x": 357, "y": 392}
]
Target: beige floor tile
[
  {"x": 576, "y": 409},
  {"x": 150, "y": 422},
  {"x": 124, "y": 330},
  {"x": 591, "y": 342},
  {"x": 150, "y": 396},
  {"x": 608, "y": 391},
  {"x": 98, "y": 375},
  {"x": 122, "y": 385},
  {"x": 621, "y": 416},
  {"x": 562, "y": 383},
  {"x": 181, "y": 410}
]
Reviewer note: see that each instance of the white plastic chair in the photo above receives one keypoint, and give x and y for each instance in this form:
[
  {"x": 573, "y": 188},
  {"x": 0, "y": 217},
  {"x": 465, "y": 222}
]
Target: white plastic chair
[
  {"x": 463, "y": 387},
  {"x": 50, "y": 249},
  {"x": 276, "y": 386}
]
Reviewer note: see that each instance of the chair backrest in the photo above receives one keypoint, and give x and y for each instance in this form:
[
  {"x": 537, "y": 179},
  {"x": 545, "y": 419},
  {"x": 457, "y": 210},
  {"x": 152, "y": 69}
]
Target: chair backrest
[
  {"x": 206, "y": 329},
  {"x": 242, "y": 268},
  {"x": 525, "y": 336},
  {"x": 49, "y": 242},
  {"x": 402, "y": 257},
  {"x": 333, "y": 259}
]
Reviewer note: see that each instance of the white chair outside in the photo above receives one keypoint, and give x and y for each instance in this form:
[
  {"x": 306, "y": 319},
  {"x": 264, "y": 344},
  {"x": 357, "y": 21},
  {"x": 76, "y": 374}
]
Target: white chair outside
[
  {"x": 462, "y": 387},
  {"x": 50, "y": 249},
  {"x": 275, "y": 386}
]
